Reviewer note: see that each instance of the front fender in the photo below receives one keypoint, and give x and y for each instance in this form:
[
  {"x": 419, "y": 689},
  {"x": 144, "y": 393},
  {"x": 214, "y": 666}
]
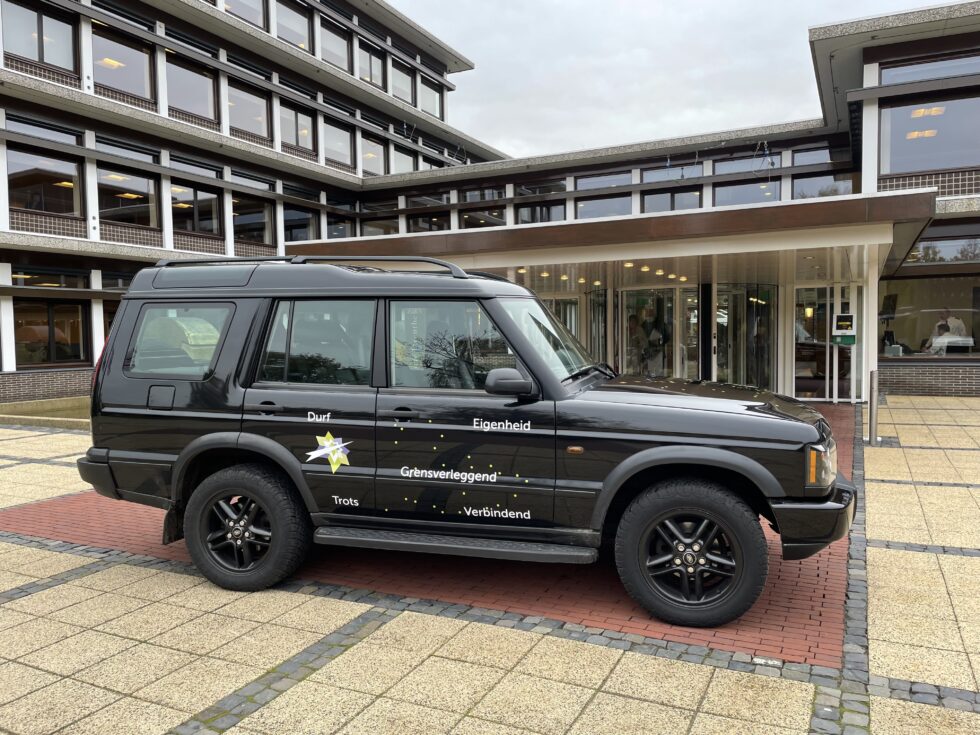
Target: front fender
[{"x": 691, "y": 455}]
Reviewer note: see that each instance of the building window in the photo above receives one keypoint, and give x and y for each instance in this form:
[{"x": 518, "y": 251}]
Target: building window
[
  {"x": 293, "y": 25},
  {"x": 338, "y": 143},
  {"x": 931, "y": 317},
  {"x": 811, "y": 156},
  {"x": 251, "y": 10},
  {"x": 379, "y": 226},
  {"x": 39, "y": 36},
  {"x": 300, "y": 223},
  {"x": 339, "y": 225},
  {"x": 673, "y": 173},
  {"x": 933, "y": 252},
  {"x": 126, "y": 150},
  {"x": 191, "y": 88},
  {"x": 252, "y": 219},
  {"x": 930, "y": 136},
  {"x": 603, "y": 181},
  {"x": 428, "y": 199},
  {"x": 195, "y": 209},
  {"x": 428, "y": 164},
  {"x": 614, "y": 206},
  {"x": 537, "y": 188},
  {"x": 748, "y": 164},
  {"x": 485, "y": 194},
  {"x": 43, "y": 183},
  {"x": 430, "y": 97},
  {"x": 669, "y": 201},
  {"x": 373, "y": 156},
  {"x": 936, "y": 69},
  {"x": 48, "y": 333},
  {"x": 476, "y": 218},
  {"x": 123, "y": 65},
  {"x": 335, "y": 45},
  {"x": 372, "y": 64},
  {"x": 43, "y": 130},
  {"x": 248, "y": 110},
  {"x": 755, "y": 192},
  {"x": 128, "y": 198},
  {"x": 429, "y": 222},
  {"x": 403, "y": 81},
  {"x": 402, "y": 161},
  {"x": 297, "y": 127},
  {"x": 41, "y": 278},
  {"x": 828, "y": 185},
  {"x": 527, "y": 214},
  {"x": 195, "y": 167}
]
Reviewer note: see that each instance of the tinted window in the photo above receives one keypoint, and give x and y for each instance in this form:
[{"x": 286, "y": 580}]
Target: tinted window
[
  {"x": 430, "y": 97},
  {"x": 300, "y": 223},
  {"x": 482, "y": 195},
  {"x": 252, "y": 219},
  {"x": 50, "y": 332},
  {"x": 329, "y": 343},
  {"x": 403, "y": 82},
  {"x": 190, "y": 88},
  {"x": 248, "y": 111},
  {"x": 533, "y": 188},
  {"x": 616, "y": 206},
  {"x": 473, "y": 218},
  {"x": 673, "y": 173},
  {"x": 43, "y": 183},
  {"x": 601, "y": 181},
  {"x": 42, "y": 130},
  {"x": 127, "y": 197},
  {"x": 751, "y": 193},
  {"x": 335, "y": 45},
  {"x": 444, "y": 344},
  {"x": 339, "y": 226},
  {"x": 931, "y": 70},
  {"x": 38, "y": 36},
  {"x": 529, "y": 213},
  {"x": 178, "y": 340},
  {"x": 122, "y": 64},
  {"x": 812, "y": 155},
  {"x": 195, "y": 209},
  {"x": 429, "y": 222},
  {"x": 380, "y": 226},
  {"x": 930, "y": 136},
  {"x": 832, "y": 185},
  {"x": 294, "y": 25},
  {"x": 667, "y": 201}
]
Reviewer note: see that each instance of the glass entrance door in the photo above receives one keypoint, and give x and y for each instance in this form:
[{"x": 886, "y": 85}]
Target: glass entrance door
[
  {"x": 745, "y": 321},
  {"x": 659, "y": 332},
  {"x": 824, "y": 370}
]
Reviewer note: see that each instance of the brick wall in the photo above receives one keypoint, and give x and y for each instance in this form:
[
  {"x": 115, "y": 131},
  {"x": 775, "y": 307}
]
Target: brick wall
[
  {"x": 929, "y": 380},
  {"x": 30, "y": 385}
]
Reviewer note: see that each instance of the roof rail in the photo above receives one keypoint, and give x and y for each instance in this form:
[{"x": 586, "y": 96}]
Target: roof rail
[
  {"x": 491, "y": 276},
  {"x": 456, "y": 271},
  {"x": 229, "y": 261}
]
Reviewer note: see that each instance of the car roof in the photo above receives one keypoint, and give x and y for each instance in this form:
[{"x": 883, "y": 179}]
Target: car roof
[{"x": 310, "y": 277}]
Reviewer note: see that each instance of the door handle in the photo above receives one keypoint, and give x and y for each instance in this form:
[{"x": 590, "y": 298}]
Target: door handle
[
  {"x": 399, "y": 413},
  {"x": 264, "y": 407}
]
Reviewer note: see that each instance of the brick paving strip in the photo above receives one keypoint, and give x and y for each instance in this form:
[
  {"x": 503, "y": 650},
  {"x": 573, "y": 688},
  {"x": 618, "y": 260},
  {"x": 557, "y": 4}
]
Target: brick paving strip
[{"x": 929, "y": 548}]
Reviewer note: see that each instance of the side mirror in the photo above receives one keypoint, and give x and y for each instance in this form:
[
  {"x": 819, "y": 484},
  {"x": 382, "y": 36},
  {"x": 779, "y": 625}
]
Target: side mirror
[{"x": 508, "y": 382}]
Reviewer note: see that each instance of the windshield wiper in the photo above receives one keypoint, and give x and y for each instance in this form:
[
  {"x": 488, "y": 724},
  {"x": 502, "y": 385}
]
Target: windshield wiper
[{"x": 582, "y": 371}]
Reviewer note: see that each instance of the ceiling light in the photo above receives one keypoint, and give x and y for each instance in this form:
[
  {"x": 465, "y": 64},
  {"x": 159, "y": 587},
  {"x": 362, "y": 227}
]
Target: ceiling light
[
  {"x": 808, "y": 312},
  {"x": 926, "y": 111},
  {"x": 628, "y": 264},
  {"x": 522, "y": 270},
  {"x": 913, "y": 134},
  {"x": 581, "y": 279},
  {"x": 671, "y": 275},
  {"x": 807, "y": 257},
  {"x": 370, "y": 155},
  {"x": 182, "y": 205},
  {"x": 110, "y": 63},
  {"x": 597, "y": 283},
  {"x": 178, "y": 189},
  {"x": 129, "y": 195},
  {"x": 482, "y": 221},
  {"x": 545, "y": 274},
  {"x": 659, "y": 272},
  {"x": 65, "y": 184},
  {"x": 115, "y": 177},
  {"x": 683, "y": 278},
  {"x": 645, "y": 268},
  {"x": 21, "y": 275},
  {"x": 564, "y": 277},
  {"x": 56, "y": 285}
]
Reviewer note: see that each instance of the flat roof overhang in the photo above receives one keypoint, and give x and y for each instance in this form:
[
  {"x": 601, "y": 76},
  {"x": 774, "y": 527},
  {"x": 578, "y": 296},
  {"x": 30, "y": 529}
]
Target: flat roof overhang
[{"x": 902, "y": 215}]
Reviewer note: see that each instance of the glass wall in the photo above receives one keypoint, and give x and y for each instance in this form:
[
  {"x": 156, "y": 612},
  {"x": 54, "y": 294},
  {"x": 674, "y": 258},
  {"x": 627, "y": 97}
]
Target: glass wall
[
  {"x": 746, "y": 334},
  {"x": 195, "y": 209},
  {"x": 755, "y": 192},
  {"x": 930, "y": 136},
  {"x": 49, "y": 333},
  {"x": 122, "y": 64},
  {"x": 933, "y": 316},
  {"x": 248, "y": 110},
  {"x": 42, "y": 183},
  {"x": 191, "y": 88},
  {"x": 335, "y": 45},
  {"x": 128, "y": 197},
  {"x": 300, "y": 223},
  {"x": 252, "y": 219}
]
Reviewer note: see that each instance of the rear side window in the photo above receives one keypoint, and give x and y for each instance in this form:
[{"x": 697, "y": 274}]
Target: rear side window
[
  {"x": 320, "y": 342},
  {"x": 178, "y": 340}
]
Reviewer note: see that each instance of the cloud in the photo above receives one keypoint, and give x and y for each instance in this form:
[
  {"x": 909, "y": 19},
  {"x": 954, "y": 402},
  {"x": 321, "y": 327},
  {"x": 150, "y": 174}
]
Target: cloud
[{"x": 559, "y": 75}]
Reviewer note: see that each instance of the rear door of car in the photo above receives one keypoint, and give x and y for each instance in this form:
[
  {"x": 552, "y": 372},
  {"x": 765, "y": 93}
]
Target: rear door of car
[{"x": 312, "y": 393}]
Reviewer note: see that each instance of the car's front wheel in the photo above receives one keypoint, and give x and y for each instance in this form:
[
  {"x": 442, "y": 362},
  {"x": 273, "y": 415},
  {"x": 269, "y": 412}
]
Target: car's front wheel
[
  {"x": 691, "y": 553},
  {"x": 246, "y": 528}
]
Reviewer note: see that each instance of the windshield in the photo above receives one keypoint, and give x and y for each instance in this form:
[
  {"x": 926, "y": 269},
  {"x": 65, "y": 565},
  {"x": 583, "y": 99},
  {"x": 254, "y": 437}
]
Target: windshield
[{"x": 563, "y": 353}]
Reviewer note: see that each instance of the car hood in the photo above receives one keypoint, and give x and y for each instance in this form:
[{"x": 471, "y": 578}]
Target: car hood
[{"x": 705, "y": 396}]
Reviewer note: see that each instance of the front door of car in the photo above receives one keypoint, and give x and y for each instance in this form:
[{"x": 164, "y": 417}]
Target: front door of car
[
  {"x": 313, "y": 395},
  {"x": 447, "y": 450}
]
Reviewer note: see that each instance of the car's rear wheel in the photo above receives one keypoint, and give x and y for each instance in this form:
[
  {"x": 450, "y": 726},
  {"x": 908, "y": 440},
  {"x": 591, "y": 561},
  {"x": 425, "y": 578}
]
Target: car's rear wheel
[
  {"x": 692, "y": 553},
  {"x": 246, "y": 528}
]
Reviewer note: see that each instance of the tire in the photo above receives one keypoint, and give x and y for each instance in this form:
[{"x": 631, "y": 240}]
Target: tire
[
  {"x": 648, "y": 565},
  {"x": 268, "y": 536}
]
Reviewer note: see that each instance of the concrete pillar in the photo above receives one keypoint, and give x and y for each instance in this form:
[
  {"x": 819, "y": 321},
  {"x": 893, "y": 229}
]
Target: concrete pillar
[
  {"x": 358, "y": 146},
  {"x": 86, "y": 65},
  {"x": 509, "y": 216},
  {"x": 570, "y": 212},
  {"x": 227, "y": 214},
  {"x": 90, "y": 190},
  {"x": 402, "y": 218},
  {"x": 98, "y": 316},
  {"x": 223, "y": 115},
  {"x": 4, "y": 193},
  {"x": 635, "y": 203},
  {"x": 708, "y": 190},
  {"x": 160, "y": 65},
  {"x": 323, "y": 216},
  {"x": 316, "y": 43},
  {"x": 166, "y": 213},
  {"x": 8, "y": 347},
  {"x": 279, "y": 223},
  {"x": 271, "y": 12},
  {"x": 275, "y": 124},
  {"x": 786, "y": 181},
  {"x": 454, "y": 216}
]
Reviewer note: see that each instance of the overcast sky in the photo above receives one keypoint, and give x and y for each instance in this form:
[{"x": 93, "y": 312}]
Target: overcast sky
[{"x": 558, "y": 75}]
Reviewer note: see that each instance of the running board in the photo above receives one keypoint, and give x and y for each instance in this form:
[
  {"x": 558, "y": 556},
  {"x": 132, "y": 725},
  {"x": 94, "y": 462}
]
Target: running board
[{"x": 369, "y": 538}]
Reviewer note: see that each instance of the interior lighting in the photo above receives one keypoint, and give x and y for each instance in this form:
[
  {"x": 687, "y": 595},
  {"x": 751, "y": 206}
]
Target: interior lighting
[
  {"x": 115, "y": 177},
  {"x": 522, "y": 270},
  {"x": 659, "y": 272},
  {"x": 672, "y": 275},
  {"x": 808, "y": 312},
  {"x": 645, "y": 268},
  {"x": 913, "y": 134},
  {"x": 129, "y": 195},
  {"x": 564, "y": 276},
  {"x": 182, "y": 205},
  {"x": 597, "y": 283},
  {"x": 683, "y": 278},
  {"x": 928, "y": 111},
  {"x": 110, "y": 63},
  {"x": 628, "y": 264},
  {"x": 581, "y": 279},
  {"x": 65, "y": 184},
  {"x": 545, "y": 274}
]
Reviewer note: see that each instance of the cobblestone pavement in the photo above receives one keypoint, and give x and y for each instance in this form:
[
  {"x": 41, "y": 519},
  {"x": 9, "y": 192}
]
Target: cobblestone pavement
[{"x": 102, "y": 640}]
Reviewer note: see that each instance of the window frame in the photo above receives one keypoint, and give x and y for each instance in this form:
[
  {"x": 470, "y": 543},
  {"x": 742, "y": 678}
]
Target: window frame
[
  {"x": 246, "y": 88},
  {"x": 194, "y": 68},
  {"x": 258, "y": 382},
  {"x": 79, "y": 195},
  {"x": 47, "y": 11},
  {"x": 127, "y": 370},
  {"x": 299, "y": 10},
  {"x": 86, "y": 318},
  {"x": 336, "y": 30},
  {"x": 124, "y": 40},
  {"x": 219, "y": 208},
  {"x": 373, "y": 52},
  {"x": 438, "y": 89},
  {"x": 296, "y": 111}
]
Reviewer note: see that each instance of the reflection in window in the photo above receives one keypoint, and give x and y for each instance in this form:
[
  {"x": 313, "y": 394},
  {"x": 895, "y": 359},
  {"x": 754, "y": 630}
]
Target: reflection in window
[
  {"x": 614, "y": 206},
  {"x": 673, "y": 173},
  {"x": 126, "y": 150},
  {"x": 602, "y": 181},
  {"x": 122, "y": 64},
  {"x": 830, "y": 185},
  {"x": 930, "y": 317},
  {"x": 937, "y": 69},
  {"x": 42, "y": 130},
  {"x": 49, "y": 278},
  {"x": 959, "y": 250},
  {"x": 252, "y": 219},
  {"x": 50, "y": 332},
  {"x": 248, "y": 110},
  {"x": 930, "y": 136},
  {"x": 430, "y": 97},
  {"x": 338, "y": 143},
  {"x": 536, "y": 188},
  {"x": 178, "y": 340},
  {"x": 300, "y": 223},
  {"x": 429, "y": 199},
  {"x": 293, "y": 25},
  {"x": 251, "y": 10},
  {"x": 810, "y": 156},
  {"x": 191, "y": 88},
  {"x": 668, "y": 201},
  {"x": 402, "y": 161},
  {"x": 379, "y": 226},
  {"x": 486, "y": 194},
  {"x": 127, "y": 197},
  {"x": 43, "y": 184},
  {"x": 339, "y": 226},
  {"x": 335, "y": 45},
  {"x": 476, "y": 218},
  {"x": 760, "y": 162},
  {"x": 429, "y": 222},
  {"x": 755, "y": 192},
  {"x": 372, "y": 64},
  {"x": 195, "y": 209},
  {"x": 330, "y": 343},
  {"x": 297, "y": 127},
  {"x": 527, "y": 214},
  {"x": 403, "y": 81},
  {"x": 38, "y": 36},
  {"x": 373, "y": 156},
  {"x": 444, "y": 344}
]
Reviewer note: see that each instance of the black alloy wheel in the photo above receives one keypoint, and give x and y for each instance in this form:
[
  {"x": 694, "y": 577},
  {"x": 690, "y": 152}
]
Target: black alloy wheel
[{"x": 239, "y": 532}]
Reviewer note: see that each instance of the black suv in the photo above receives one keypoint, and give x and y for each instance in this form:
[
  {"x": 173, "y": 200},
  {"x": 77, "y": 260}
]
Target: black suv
[{"x": 267, "y": 405}]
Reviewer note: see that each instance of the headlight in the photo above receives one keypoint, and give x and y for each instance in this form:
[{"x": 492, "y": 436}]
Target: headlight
[{"x": 821, "y": 465}]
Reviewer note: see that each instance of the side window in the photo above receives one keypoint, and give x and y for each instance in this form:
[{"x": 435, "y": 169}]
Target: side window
[
  {"x": 178, "y": 340},
  {"x": 444, "y": 344},
  {"x": 320, "y": 342}
]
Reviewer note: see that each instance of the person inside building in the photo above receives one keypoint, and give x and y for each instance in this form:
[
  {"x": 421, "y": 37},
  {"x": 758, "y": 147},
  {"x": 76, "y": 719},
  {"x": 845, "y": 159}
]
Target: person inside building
[
  {"x": 937, "y": 345},
  {"x": 637, "y": 347},
  {"x": 956, "y": 326}
]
